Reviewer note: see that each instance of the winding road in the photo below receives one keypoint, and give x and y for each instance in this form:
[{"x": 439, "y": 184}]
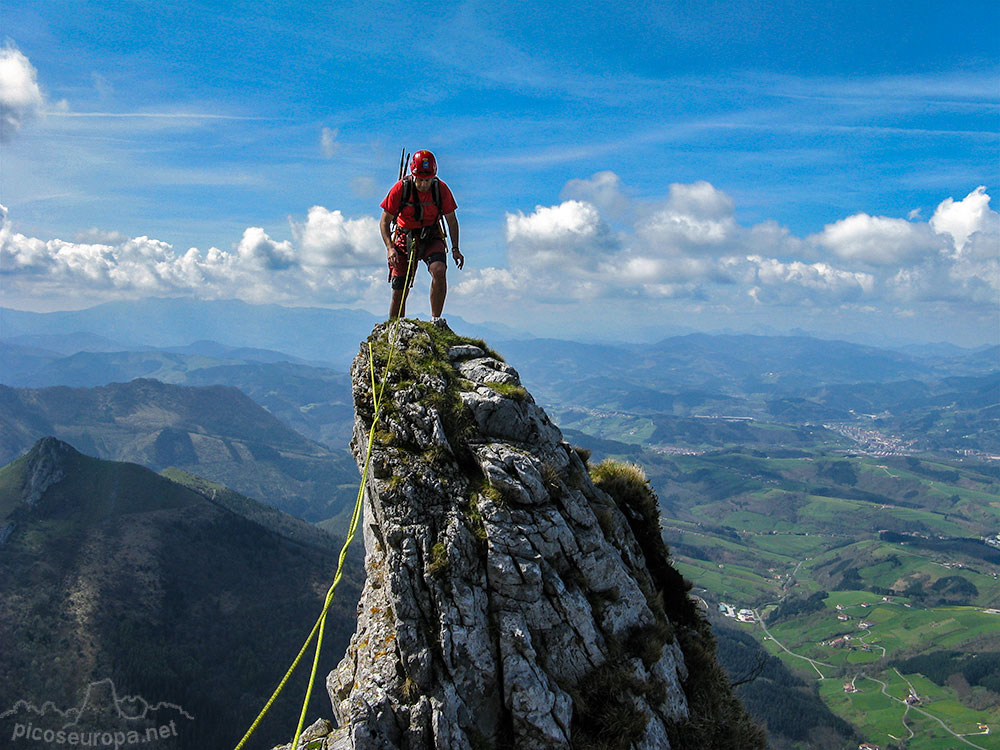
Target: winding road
[
  {"x": 919, "y": 711},
  {"x": 812, "y": 662},
  {"x": 815, "y": 664}
]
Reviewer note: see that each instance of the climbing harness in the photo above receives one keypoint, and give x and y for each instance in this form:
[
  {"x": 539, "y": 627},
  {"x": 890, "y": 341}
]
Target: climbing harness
[{"x": 318, "y": 628}]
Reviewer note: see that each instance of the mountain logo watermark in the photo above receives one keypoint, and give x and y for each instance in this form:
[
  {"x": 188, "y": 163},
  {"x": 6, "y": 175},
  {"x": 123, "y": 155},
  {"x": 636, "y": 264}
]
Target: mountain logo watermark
[{"x": 103, "y": 719}]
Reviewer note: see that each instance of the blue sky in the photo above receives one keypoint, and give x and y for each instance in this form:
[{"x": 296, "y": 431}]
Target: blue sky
[{"x": 622, "y": 170}]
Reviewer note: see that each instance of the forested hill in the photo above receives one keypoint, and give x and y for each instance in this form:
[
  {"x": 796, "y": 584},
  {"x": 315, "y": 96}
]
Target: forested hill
[
  {"x": 193, "y": 597},
  {"x": 214, "y": 431}
]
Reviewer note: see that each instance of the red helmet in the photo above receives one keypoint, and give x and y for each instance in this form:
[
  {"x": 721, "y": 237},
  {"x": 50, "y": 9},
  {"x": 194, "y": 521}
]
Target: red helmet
[{"x": 423, "y": 164}]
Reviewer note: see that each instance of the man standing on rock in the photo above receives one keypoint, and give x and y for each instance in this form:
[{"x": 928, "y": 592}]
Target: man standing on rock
[{"x": 416, "y": 205}]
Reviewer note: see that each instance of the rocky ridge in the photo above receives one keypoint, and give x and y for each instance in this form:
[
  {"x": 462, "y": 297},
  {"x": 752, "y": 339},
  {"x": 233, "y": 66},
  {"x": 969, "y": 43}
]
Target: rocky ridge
[{"x": 509, "y": 601}]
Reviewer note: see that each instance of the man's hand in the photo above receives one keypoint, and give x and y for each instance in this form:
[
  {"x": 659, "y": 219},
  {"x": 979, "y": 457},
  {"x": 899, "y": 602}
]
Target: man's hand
[
  {"x": 391, "y": 254},
  {"x": 459, "y": 258}
]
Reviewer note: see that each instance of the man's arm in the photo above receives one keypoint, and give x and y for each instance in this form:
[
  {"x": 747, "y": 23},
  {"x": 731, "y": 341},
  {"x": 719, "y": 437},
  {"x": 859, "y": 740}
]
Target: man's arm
[
  {"x": 452, "y": 222},
  {"x": 385, "y": 227}
]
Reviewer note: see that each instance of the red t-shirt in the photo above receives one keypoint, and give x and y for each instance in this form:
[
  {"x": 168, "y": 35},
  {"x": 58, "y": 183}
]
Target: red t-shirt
[{"x": 407, "y": 218}]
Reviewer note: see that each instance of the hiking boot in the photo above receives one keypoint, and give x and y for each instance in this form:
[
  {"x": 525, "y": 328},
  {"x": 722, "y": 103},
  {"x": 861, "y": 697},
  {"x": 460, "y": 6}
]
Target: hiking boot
[{"x": 439, "y": 322}]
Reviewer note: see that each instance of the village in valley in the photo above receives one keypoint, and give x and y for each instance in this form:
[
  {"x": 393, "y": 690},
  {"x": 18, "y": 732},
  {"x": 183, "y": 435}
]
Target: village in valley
[{"x": 742, "y": 615}]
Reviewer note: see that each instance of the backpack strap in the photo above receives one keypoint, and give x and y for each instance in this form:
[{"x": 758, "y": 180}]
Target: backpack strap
[
  {"x": 407, "y": 199},
  {"x": 411, "y": 198},
  {"x": 436, "y": 191}
]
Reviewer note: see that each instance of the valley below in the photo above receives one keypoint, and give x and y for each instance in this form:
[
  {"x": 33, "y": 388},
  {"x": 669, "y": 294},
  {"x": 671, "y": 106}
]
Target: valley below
[
  {"x": 835, "y": 507},
  {"x": 873, "y": 578}
]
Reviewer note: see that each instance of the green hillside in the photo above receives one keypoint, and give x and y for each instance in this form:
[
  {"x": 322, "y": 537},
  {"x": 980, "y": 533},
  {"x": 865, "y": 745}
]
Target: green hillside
[
  {"x": 792, "y": 533},
  {"x": 314, "y": 400},
  {"x": 196, "y": 597},
  {"x": 215, "y": 431}
]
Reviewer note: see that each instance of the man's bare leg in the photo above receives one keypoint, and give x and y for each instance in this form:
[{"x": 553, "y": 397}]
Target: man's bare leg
[
  {"x": 397, "y": 307},
  {"x": 439, "y": 287}
]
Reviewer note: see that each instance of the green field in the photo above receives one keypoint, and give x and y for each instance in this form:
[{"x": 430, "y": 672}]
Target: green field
[
  {"x": 753, "y": 531},
  {"x": 791, "y": 546},
  {"x": 884, "y": 719},
  {"x": 896, "y": 628},
  {"x": 732, "y": 581}
]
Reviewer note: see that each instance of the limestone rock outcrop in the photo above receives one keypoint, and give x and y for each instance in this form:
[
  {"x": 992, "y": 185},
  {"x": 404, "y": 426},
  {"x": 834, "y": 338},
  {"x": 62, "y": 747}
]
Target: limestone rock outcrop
[
  {"x": 509, "y": 601},
  {"x": 46, "y": 468}
]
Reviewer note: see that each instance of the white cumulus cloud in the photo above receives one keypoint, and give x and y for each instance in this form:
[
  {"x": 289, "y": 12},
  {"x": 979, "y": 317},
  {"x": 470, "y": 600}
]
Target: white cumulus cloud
[
  {"x": 99, "y": 236},
  {"x": 21, "y": 97},
  {"x": 686, "y": 246},
  {"x": 973, "y": 227},
  {"x": 695, "y": 219},
  {"x": 602, "y": 190},
  {"x": 257, "y": 249},
  {"x": 965, "y": 282},
  {"x": 628, "y": 268},
  {"x": 491, "y": 283},
  {"x": 795, "y": 282},
  {"x": 701, "y": 200},
  {"x": 567, "y": 237},
  {"x": 689, "y": 245},
  {"x": 327, "y": 238},
  {"x": 327, "y": 268},
  {"x": 878, "y": 240}
]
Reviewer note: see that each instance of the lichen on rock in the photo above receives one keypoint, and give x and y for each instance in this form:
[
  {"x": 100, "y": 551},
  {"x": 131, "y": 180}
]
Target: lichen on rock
[{"x": 508, "y": 602}]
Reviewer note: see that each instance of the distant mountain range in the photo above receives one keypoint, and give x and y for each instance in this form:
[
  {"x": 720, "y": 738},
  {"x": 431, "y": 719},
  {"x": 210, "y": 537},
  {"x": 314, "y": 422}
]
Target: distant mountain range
[
  {"x": 315, "y": 334},
  {"x": 215, "y": 431},
  {"x": 330, "y": 336},
  {"x": 632, "y": 392},
  {"x": 115, "y": 579},
  {"x": 731, "y": 365},
  {"x": 711, "y": 391},
  {"x": 313, "y": 400}
]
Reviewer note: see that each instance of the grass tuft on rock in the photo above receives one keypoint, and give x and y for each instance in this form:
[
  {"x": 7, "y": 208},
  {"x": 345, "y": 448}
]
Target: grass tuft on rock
[
  {"x": 423, "y": 364},
  {"x": 438, "y": 563},
  {"x": 605, "y": 716},
  {"x": 630, "y": 489},
  {"x": 509, "y": 390}
]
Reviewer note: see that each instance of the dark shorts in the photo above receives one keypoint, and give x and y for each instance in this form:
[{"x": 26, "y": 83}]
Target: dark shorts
[{"x": 430, "y": 250}]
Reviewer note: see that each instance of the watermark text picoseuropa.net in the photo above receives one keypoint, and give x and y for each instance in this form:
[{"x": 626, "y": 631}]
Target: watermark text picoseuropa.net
[
  {"x": 102, "y": 719},
  {"x": 71, "y": 738}
]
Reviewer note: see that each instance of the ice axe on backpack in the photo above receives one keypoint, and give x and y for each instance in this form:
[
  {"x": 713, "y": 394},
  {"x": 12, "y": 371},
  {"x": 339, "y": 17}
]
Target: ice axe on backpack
[{"x": 403, "y": 158}]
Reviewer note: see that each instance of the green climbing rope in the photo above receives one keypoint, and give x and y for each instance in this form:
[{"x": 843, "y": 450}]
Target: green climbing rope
[{"x": 318, "y": 628}]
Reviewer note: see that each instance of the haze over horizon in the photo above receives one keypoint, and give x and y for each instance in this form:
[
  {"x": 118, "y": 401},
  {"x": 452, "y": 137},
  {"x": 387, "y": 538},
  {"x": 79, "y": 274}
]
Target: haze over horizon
[
  {"x": 116, "y": 323},
  {"x": 619, "y": 170}
]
